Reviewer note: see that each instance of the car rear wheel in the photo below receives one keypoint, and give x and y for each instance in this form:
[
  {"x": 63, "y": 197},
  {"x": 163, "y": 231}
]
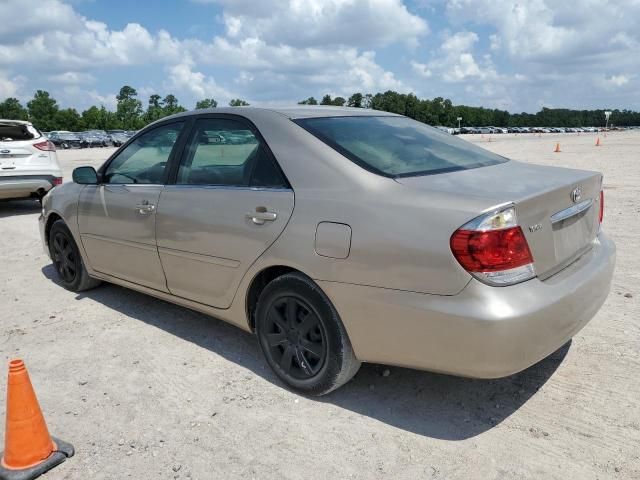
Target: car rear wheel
[
  {"x": 67, "y": 260},
  {"x": 302, "y": 336}
]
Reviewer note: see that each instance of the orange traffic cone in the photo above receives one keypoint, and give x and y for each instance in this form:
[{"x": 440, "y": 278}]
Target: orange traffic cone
[
  {"x": 598, "y": 142},
  {"x": 557, "y": 150},
  {"x": 29, "y": 450}
]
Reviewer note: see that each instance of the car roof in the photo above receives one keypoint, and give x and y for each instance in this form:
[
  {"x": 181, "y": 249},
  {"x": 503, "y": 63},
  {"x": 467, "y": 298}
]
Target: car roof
[
  {"x": 15, "y": 122},
  {"x": 292, "y": 112}
]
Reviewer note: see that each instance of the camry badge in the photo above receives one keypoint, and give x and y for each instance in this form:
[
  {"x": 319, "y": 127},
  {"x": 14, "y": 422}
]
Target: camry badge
[{"x": 576, "y": 194}]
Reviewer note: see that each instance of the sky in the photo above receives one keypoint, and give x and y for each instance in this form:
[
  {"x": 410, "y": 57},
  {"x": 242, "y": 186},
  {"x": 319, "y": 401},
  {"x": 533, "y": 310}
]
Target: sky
[{"x": 518, "y": 55}]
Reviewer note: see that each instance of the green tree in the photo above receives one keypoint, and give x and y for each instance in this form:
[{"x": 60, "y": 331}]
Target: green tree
[
  {"x": 42, "y": 111},
  {"x": 308, "y": 101},
  {"x": 154, "y": 109},
  {"x": 129, "y": 109},
  {"x": 170, "y": 105},
  {"x": 326, "y": 100},
  {"x": 237, "y": 102},
  {"x": 355, "y": 100},
  {"x": 12, "y": 109},
  {"x": 206, "y": 103},
  {"x": 338, "y": 101},
  {"x": 90, "y": 119},
  {"x": 67, "y": 119}
]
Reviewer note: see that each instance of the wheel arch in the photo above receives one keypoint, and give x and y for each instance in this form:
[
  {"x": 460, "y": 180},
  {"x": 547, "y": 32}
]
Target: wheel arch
[
  {"x": 51, "y": 219},
  {"x": 257, "y": 285}
]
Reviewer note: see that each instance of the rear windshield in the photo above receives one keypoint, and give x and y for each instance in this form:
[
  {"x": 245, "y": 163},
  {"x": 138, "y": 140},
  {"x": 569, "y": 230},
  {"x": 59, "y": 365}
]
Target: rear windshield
[
  {"x": 398, "y": 146},
  {"x": 17, "y": 131}
]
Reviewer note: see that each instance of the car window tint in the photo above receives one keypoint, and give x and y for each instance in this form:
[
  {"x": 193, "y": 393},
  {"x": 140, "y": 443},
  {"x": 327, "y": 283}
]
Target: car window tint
[
  {"x": 398, "y": 146},
  {"x": 144, "y": 160},
  {"x": 226, "y": 152}
]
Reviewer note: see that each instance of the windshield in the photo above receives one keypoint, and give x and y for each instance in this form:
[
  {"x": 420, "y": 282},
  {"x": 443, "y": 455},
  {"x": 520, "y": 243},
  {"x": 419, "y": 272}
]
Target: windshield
[{"x": 398, "y": 146}]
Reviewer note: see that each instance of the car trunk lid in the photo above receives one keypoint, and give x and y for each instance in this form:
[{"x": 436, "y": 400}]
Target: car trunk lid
[{"x": 557, "y": 208}]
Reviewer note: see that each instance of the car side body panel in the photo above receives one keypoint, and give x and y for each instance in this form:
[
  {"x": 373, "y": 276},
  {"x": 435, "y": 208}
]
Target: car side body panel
[{"x": 207, "y": 240}]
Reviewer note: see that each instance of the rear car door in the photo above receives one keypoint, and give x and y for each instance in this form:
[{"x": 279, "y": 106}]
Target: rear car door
[
  {"x": 229, "y": 202},
  {"x": 117, "y": 218}
]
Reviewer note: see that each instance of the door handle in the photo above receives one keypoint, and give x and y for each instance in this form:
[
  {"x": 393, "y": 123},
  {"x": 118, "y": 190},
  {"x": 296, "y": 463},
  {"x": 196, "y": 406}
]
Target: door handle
[
  {"x": 145, "y": 208},
  {"x": 261, "y": 215}
]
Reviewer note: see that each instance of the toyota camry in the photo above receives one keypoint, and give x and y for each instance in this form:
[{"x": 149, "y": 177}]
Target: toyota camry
[{"x": 340, "y": 236}]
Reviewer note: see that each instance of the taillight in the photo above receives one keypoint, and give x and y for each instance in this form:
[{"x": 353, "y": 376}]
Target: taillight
[
  {"x": 601, "y": 216},
  {"x": 493, "y": 248},
  {"x": 46, "y": 146},
  {"x": 57, "y": 181}
]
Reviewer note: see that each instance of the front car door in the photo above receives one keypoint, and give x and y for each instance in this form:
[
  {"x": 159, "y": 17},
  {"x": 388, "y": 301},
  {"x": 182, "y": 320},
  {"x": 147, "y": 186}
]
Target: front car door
[
  {"x": 228, "y": 204},
  {"x": 117, "y": 218}
]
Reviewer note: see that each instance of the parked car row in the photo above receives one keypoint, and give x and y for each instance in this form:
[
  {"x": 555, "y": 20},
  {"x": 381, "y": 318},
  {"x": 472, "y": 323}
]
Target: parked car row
[
  {"x": 498, "y": 130},
  {"x": 89, "y": 139}
]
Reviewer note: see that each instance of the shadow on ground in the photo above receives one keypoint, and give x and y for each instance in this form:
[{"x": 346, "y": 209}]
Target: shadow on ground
[
  {"x": 14, "y": 208},
  {"x": 429, "y": 404}
]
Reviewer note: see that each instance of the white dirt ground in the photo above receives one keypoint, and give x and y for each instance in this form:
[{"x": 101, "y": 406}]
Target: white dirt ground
[{"x": 145, "y": 389}]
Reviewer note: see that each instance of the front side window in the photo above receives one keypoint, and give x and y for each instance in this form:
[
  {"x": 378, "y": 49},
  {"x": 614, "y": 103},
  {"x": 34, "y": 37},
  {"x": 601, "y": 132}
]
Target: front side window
[
  {"x": 226, "y": 152},
  {"x": 398, "y": 146},
  {"x": 145, "y": 159}
]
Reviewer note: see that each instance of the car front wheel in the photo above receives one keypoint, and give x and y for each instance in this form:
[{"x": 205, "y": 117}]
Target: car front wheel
[
  {"x": 302, "y": 336},
  {"x": 67, "y": 260}
]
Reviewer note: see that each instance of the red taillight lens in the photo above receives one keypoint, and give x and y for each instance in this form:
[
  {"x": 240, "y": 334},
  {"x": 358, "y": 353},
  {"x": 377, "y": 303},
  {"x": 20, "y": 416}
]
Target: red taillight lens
[
  {"x": 57, "y": 181},
  {"x": 601, "y": 205},
  {"x": 46, "y": 146},
  {"x": 491, "y": 251}
]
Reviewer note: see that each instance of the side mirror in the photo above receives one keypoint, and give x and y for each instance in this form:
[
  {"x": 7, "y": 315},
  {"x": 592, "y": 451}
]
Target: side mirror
[{"x": 85, "y": 176}]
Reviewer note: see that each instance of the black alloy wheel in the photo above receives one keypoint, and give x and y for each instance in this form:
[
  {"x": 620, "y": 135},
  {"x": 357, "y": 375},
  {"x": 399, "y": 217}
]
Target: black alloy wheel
[
  {"x": 64, "y": 257},
  {"x": 302, "y": 336},
  {"x": 296, "y": 338},
  {"x": 67, "y": 260}
]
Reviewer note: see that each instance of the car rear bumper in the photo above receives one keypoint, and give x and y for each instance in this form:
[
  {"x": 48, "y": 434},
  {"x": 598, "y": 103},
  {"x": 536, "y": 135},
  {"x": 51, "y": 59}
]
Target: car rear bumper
[
  {"x": 24, "y": 186},
  {"x": 484, "y": 331}
]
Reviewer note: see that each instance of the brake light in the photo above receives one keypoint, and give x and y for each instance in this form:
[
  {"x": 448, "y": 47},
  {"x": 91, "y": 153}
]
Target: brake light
[
  {"x": 601, "y": 216},
  {"x": 46, "y": 146},
  {"x": 493, "y": 248},
  {"x": 57, "y": 181}
]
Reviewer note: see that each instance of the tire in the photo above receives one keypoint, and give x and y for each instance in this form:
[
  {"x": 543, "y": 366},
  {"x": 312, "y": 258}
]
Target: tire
[
  {"x": 302, "y": 337},
  {"x": 67, "y": 260}
]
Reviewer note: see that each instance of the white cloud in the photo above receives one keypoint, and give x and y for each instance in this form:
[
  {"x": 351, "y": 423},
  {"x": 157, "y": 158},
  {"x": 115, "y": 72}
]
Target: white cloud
[
  {"x": 422, "y": 69},
  {"x": 323, "y": 23},
  {"x": 455, "y": 61},
  {"x": 510, "y": 53},
  {"x": 618, "y": 80},
  {"x": 8, "y": 87},
  {"x": 72, "y": 78},
  {"x": 182, "y": 78},
  {"x": 548, "y": 30}
]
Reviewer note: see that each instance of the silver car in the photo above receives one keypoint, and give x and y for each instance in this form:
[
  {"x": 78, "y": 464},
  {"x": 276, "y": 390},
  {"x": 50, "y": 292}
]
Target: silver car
[{"x": 340, "y": 236}]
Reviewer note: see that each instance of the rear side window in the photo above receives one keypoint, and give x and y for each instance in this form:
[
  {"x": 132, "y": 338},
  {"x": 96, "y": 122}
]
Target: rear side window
[
  {"x": 17, "y": 132},
  {"x": 226, "y": 152},
  {"x": 398, "y": 146}
]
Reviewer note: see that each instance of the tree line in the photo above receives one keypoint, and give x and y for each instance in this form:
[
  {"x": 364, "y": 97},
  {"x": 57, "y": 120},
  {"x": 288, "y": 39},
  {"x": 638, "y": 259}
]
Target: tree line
[
  {"x": 441, "y": 111},
  {"x": 130, "y": 114},
  {"x": 46, "y": 115}
]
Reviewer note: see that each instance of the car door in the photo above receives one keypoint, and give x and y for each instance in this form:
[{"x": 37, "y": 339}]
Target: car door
[
  {"x": 228, "y": 204},
  {"x": 117, "y": 218}
]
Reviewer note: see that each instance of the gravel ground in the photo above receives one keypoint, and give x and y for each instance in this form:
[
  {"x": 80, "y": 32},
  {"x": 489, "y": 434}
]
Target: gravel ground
[{"x": 146, "y": 389}]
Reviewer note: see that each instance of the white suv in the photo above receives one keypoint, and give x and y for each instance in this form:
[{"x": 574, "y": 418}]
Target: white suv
[{"x": 28, "y": 163}]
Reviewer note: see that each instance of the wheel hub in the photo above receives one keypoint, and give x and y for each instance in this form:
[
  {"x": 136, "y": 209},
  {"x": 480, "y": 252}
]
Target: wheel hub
[{"x": 295, "y": 337}]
